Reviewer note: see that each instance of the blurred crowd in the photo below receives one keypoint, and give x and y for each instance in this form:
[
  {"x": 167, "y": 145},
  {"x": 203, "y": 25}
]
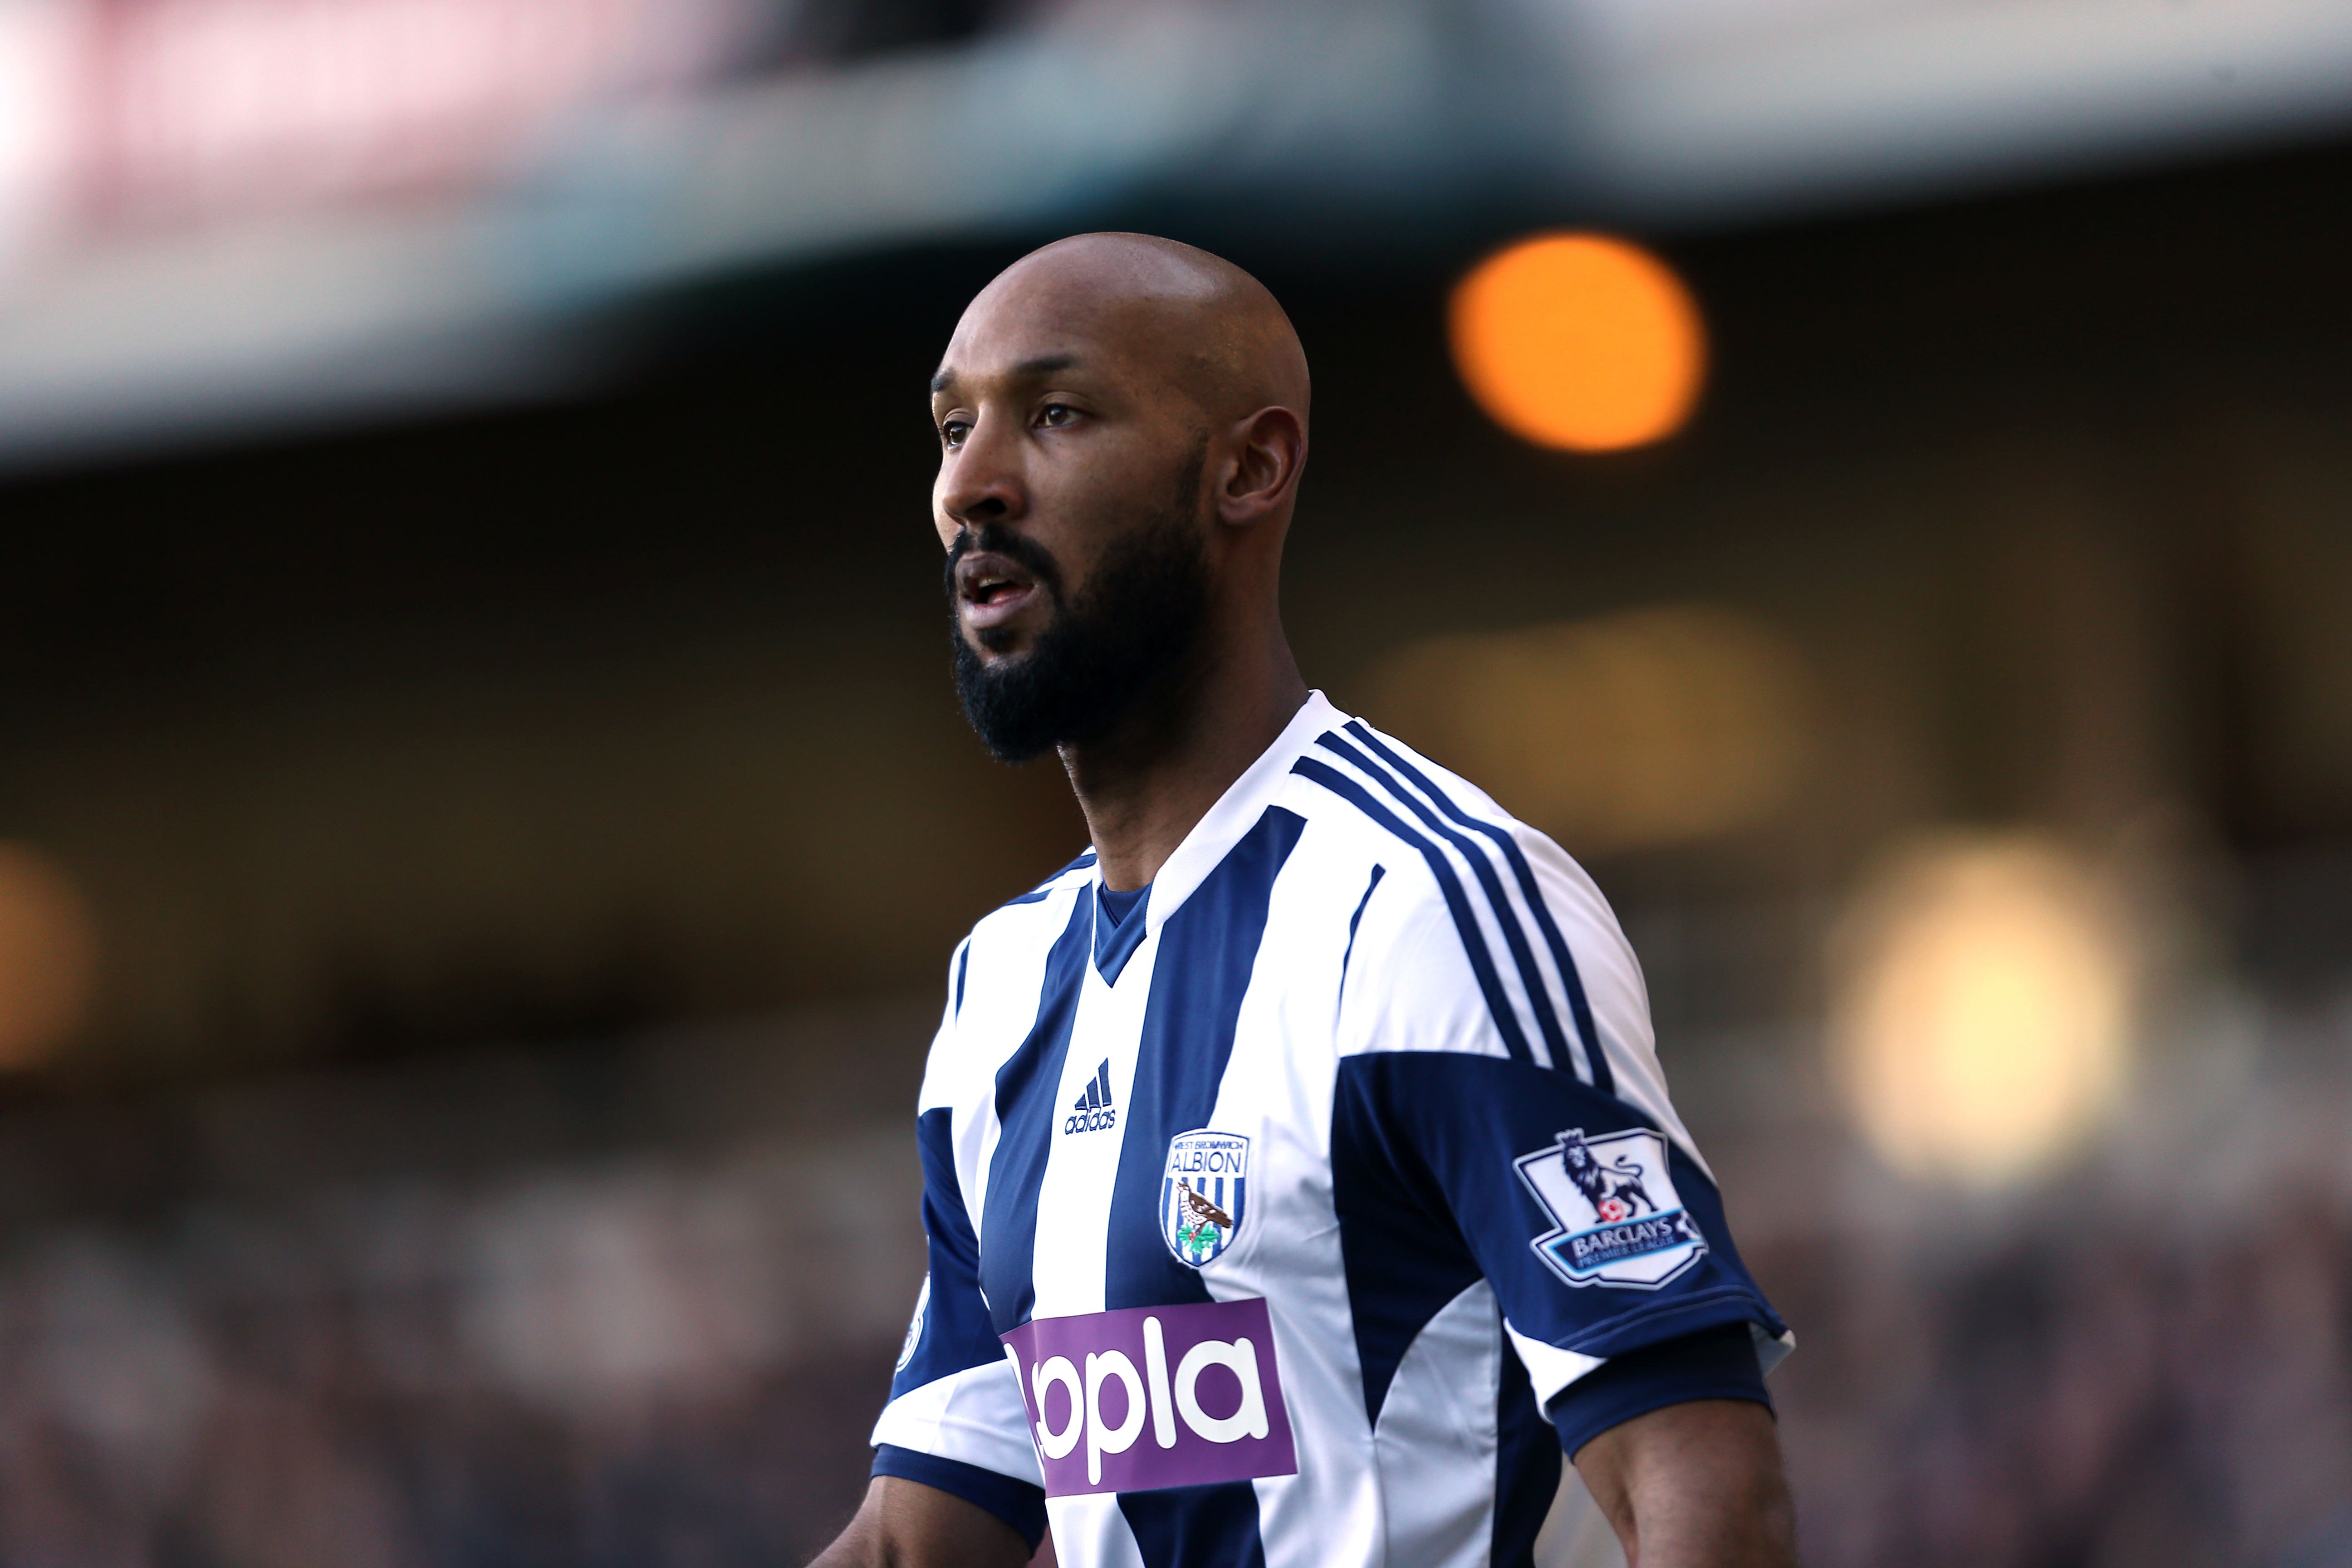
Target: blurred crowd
[
  {"x": 2149, "y": 1367},
  {"x": 648, "y": 1362}
]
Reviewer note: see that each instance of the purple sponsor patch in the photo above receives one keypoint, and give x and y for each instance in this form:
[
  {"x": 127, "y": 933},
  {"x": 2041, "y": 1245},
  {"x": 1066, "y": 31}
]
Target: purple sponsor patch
[{"x": 1153, "y": 1396}]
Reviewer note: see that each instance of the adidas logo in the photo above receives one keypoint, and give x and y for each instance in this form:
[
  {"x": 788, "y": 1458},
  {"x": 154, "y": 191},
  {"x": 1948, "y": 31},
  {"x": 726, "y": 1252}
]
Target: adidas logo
[{"x": 1091, "y": 1112}]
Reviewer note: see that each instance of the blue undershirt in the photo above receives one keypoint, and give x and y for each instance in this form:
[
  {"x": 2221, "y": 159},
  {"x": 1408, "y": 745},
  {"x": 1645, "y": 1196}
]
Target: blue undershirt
[{"x": 1115, "y": 905}]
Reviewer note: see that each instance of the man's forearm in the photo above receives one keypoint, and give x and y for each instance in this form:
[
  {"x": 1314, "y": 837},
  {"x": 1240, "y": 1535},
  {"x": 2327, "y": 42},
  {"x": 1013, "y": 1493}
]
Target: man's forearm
[
  {"x": 857, "y": 1546},
  {"x": 1694, "y": 1486}
]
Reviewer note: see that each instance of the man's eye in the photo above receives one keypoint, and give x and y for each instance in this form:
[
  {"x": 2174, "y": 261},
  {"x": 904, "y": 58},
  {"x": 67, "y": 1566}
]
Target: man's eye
[
  {"x": 952, "y": 433},
  {"x": 1057, "y": 414}
]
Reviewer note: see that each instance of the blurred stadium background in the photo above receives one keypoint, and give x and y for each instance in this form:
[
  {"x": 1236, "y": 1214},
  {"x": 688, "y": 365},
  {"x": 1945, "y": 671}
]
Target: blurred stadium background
[{"x": 483, "y": 817}]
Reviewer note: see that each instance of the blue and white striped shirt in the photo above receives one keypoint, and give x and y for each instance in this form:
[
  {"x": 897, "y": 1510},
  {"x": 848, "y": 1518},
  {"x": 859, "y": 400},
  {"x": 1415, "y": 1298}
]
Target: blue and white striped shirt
[{"x": 1268, "y": 1221}]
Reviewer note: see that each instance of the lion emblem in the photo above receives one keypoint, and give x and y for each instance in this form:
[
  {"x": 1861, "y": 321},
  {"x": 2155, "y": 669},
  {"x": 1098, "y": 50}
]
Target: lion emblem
[{"x": 1613, "y": 1188}]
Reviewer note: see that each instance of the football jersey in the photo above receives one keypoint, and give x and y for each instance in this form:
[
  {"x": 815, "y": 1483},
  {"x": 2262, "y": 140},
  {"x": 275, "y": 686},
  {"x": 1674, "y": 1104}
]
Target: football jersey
[{"x": 1268, "y": 1218}]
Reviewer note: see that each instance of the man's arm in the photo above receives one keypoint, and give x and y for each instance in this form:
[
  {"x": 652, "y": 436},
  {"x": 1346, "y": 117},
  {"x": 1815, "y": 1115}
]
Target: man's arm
[
  {"x": 1696, "y": 1485},
  {"x": 906, "y": 1524}
]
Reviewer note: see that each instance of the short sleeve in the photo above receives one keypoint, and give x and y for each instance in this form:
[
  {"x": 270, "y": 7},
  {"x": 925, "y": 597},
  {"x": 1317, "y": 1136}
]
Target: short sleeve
[
  {"x": 1581, "y": 1202},
  {"x": 1714, "y": 1364},
  {"x": 955, "y": 1418}
]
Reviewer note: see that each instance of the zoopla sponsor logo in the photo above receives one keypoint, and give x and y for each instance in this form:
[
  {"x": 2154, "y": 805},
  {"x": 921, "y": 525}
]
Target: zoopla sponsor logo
[{"x": 1154, "y": 1397}]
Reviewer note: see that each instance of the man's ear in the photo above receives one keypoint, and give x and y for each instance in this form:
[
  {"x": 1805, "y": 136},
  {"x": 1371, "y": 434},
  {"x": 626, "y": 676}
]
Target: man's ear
[{"x": 1259, "y": 476}]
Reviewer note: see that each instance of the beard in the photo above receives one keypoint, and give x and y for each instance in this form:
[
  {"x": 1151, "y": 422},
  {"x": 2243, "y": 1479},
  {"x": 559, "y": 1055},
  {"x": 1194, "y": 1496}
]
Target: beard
[{"x": 1119, "y": 643}]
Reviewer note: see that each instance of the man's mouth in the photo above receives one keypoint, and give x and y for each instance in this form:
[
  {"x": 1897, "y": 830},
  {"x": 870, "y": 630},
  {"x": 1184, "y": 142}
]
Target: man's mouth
[{"x": 992, "y": 590}]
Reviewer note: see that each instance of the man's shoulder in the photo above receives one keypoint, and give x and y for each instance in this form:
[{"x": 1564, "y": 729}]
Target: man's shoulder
[
  {"x": 1021, "y": 913},
  {"x": 992, "y": 981},
  {"x": 1363, "y": 775},
  {"x": 1458, "y": 848},
  {"x": 1485, "y": 937}
]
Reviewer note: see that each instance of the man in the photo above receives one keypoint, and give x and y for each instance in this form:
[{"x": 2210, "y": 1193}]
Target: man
[{"x": 1299, "y": 1179}]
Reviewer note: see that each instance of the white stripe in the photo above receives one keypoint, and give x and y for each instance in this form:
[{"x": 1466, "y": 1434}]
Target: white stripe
[
  {"x": 1090, "y": 1529},
  {"x": 1441, "y": 1401},
  {"x": 1277, "y": 1091},
  {"x": 1082, "y": 1168}
]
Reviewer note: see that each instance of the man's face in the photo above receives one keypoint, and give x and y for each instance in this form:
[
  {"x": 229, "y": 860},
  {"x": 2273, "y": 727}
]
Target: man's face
[{"x": 1068, "y": 502}]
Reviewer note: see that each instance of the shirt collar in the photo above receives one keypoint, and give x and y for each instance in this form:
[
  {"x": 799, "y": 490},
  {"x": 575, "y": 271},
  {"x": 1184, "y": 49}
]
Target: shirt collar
[{"x": 1235, "y": 812}]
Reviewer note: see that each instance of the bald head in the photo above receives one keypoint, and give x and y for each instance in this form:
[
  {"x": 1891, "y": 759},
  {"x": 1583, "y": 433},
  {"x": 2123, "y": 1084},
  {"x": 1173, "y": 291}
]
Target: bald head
[
  {"x": 1122, "y": 422},
  {"x": 1174, "y": 313}
]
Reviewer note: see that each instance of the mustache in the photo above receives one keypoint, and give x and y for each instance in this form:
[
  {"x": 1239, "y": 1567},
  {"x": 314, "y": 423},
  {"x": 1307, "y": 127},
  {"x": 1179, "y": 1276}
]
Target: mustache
[{"x": 1018, "y": 547}]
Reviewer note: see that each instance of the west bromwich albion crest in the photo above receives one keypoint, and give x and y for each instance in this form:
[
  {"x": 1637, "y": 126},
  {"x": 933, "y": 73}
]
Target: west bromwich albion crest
[
  {"x": 1616, "y": 1219},
  {"x": 1203, "y": 1194}
]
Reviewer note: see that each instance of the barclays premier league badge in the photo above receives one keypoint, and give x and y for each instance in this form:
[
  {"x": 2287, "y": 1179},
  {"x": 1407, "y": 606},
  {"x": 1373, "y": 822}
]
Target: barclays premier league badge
[
  {"x": 1616, "y": 1218},
  {"x": 1202, "y": 1193}
]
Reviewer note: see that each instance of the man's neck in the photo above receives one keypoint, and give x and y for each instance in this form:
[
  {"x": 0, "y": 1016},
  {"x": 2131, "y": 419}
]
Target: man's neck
[{"x": 1147, "y": 782}]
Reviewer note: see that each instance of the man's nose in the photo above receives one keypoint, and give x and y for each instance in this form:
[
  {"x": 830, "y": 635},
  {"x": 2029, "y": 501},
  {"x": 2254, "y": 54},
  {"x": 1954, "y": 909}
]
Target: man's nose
[{"x": 982, "y": 481}]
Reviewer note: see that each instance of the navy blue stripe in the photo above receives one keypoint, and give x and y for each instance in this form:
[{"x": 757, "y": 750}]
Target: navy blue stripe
[
  {"x": 1357, "y": 919},
  {"x": 1578, "y": 1007},
  {"x": 955, "y": 1334},
  {"x": 1021, "y": 1504},
  {"x": 1196, "y": 1527},
  {"x": 1466, "y": 920},
  {"x": 1207, "y": 951},
  {"x": 1381, "y": 1189},
  {"x": 1527, "y": 1467},
  {"x": 1115, "y": 942},
  {"x": 1039, "y": 893},
  {"x": 1714, "y": 1364},
  {"x": 1515, "y": 936},
  {"x": 963, "y": 967},
  {"x": 1027, "y": 1115}
]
